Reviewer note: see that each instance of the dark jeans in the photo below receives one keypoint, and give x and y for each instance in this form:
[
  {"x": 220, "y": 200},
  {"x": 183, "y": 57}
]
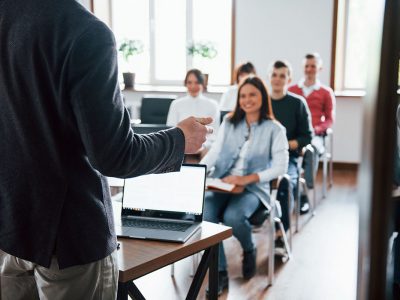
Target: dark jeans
[{"x": 293, "y": 172}]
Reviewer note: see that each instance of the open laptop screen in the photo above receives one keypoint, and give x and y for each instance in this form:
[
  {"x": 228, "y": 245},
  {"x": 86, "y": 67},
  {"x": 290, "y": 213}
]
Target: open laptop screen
[{"x": 177, "y": 195}]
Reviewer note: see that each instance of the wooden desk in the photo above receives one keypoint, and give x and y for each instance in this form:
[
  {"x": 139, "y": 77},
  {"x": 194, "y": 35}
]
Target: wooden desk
[{"x": 137, "y": 258}]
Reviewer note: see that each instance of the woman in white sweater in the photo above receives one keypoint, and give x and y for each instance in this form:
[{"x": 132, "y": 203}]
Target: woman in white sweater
[{"x": 194, "y": 104}]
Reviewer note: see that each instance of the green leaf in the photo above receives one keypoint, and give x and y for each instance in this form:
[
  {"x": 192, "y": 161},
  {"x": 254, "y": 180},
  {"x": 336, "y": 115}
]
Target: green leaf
[
  {"x": 203, "y": 49},
  {"x": 130, "y": 48}
]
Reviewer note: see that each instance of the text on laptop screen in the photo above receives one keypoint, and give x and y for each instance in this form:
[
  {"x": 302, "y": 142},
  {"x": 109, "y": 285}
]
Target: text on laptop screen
[{"x": 177, "y": 191}]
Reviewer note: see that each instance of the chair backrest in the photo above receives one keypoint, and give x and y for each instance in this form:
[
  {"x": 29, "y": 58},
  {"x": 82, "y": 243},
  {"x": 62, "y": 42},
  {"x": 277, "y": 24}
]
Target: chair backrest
[
  {"x": 154, "y": 108},
  {"x": 222, "y": 115},
  {"x": 148, "y": 128},
  {"x": 283, "y": 194},
  {"x": 259, "y": 216},
  {"x": 309, "y": 160}
]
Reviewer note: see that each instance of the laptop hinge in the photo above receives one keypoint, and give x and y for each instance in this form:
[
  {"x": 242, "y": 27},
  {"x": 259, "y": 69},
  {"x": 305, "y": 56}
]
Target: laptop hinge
[{"x": 159, "y": 219}]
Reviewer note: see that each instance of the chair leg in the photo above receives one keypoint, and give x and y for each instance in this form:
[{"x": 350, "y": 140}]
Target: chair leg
[
  {"x": 306, "y": 191},
  {"x": 314, "y": 192},
  {"x": 330, "y": 160},
  {"x": 285, "y": 239},
  {"x": 330, "y": 170},
  {"x": 194, "y": 263},
  {"x": 271, "y": 256},
  {"x": 290, "y": 219},
  {"x": 314, "y": 176},
  {"x": 324, "y": 174},
  {"x": 297, "y": 204}
]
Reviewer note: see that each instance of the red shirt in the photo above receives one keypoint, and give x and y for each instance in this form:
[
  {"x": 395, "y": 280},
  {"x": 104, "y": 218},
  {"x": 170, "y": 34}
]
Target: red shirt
[{"x": 321, "y": 103}]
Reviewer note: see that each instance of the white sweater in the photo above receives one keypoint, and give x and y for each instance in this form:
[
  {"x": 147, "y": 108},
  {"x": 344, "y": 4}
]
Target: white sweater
[
  {"x": 229, "y": 98},
  {"x": 199, "y": 106}
]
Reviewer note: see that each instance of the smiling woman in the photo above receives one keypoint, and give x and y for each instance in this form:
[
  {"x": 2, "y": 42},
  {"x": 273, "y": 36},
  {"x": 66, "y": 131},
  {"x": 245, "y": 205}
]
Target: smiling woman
[{"x": 251, "y": 150}]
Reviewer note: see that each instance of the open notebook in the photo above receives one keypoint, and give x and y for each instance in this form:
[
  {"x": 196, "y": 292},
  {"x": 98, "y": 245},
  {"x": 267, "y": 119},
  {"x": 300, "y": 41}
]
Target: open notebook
[{"x": 216, "y": 183}]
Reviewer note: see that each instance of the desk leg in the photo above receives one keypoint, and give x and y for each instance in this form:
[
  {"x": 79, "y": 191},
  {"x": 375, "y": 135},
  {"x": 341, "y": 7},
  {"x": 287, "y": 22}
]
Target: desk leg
[
  {"x": 122, "y": 293},
  {"x": 209, "y": 260},
  {"x": 213, "y": 273},
  {"x": 125, "y": 288}
]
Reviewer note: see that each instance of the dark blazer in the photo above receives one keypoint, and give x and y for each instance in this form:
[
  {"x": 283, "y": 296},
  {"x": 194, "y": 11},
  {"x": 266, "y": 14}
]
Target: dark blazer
[
  {"x": 63, "y": 125},
  {"x": 396, "y": 176}
]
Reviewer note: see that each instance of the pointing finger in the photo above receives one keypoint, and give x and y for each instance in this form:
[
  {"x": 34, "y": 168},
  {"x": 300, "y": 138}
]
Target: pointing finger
[{"x": 204, "y": 121}]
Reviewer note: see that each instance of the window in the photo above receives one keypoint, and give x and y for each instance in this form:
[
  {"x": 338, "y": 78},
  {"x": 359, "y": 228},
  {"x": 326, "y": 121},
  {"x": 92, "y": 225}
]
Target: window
[
  {"x": 165, "y": 29},
  {"x": 351, "y": 66},
  {"x": 355, "y": 63}
]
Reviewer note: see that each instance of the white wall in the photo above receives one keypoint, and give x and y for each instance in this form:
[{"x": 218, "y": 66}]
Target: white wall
[
  {"x": 347, "y": 137},
  {"x": 85, "y": 3},
  {"x": 285, "y": 29}
]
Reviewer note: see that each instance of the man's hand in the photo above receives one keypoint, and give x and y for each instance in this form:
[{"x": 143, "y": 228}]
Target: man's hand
[
  {"x": 293, "y": 145},
  {"x": 195, "y": 132}
]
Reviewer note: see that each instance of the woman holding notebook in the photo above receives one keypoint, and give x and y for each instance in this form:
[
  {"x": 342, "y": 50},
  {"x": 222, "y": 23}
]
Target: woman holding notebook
[{"x": 250, "y": 150}]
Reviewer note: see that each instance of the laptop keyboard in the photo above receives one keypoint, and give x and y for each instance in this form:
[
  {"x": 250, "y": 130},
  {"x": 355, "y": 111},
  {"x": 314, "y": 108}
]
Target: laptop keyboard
[{"x": 160, "y": 225}]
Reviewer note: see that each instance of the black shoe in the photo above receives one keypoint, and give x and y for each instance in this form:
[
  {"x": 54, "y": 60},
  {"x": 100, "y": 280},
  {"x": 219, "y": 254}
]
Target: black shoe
[
  {"x": 280, "y": 249},
  {"x": 223, "y": 283},
  {"x": 304, "y": 205},
  {"x": 249, "y": 263}
]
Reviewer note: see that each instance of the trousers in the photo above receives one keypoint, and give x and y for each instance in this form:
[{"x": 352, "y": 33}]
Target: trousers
[{"x": 23, "y": 280}]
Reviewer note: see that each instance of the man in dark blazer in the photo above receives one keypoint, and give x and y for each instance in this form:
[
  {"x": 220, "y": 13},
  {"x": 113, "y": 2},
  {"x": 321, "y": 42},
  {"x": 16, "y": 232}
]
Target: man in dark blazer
[{"x": 62, "y": 127}]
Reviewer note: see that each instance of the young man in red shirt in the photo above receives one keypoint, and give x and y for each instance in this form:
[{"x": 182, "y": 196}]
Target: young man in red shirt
[{"x": 320, "y": 98}]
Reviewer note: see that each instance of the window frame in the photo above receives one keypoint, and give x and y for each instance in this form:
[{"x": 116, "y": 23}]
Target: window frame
[
  {"x": 339, "y": 45},
  {"x": 189, "y": 36}
]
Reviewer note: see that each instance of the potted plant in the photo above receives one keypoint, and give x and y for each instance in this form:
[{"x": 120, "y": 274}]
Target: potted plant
[
  {"x": 203, "y": 49},
  {"x": 129, "y": 48}
]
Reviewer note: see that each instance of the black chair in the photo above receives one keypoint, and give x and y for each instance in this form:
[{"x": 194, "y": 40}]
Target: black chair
[
  {"x": 148, "y": 128},
  {"x": 222, "y": 115},
  {"x": 154, "y": 108}
]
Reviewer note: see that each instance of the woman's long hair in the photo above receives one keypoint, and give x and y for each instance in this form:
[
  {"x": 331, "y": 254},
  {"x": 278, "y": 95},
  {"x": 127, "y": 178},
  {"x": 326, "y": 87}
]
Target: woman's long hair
[{"x": 266, "y": 112}]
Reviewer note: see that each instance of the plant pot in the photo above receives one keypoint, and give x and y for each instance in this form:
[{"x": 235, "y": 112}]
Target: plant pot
[
  {"x": 129, "y": 80},
  {"x": 205, "y": 81}
]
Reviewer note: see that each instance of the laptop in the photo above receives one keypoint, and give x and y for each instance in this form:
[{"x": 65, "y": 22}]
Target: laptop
[{"x": 164, "y": 207}]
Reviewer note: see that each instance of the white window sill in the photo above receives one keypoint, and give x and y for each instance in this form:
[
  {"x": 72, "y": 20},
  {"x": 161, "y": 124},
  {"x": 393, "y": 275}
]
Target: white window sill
[
  {"x": 172, "y": 89},
  {"x": 350, "y": 93}
]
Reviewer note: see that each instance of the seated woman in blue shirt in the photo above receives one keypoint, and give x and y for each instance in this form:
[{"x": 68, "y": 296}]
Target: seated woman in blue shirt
[{"x": 250, "y": 150}]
